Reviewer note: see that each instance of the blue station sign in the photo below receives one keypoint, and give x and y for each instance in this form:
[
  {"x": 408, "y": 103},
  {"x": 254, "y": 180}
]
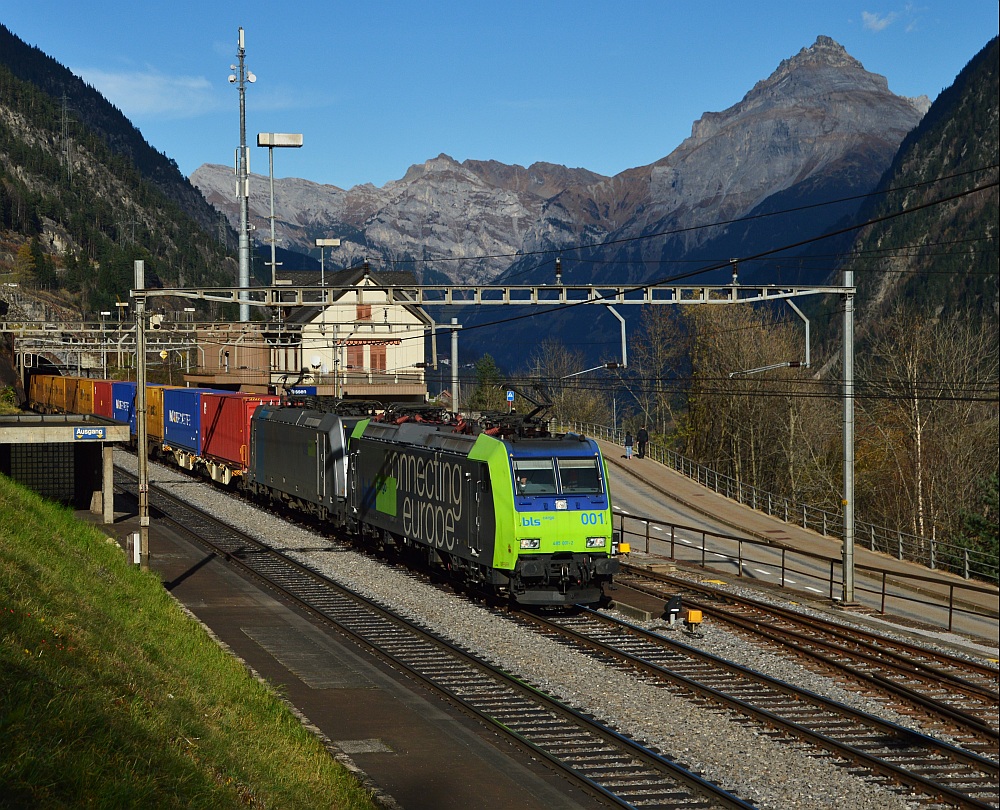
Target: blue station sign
[{"x": 90, "y": 434}]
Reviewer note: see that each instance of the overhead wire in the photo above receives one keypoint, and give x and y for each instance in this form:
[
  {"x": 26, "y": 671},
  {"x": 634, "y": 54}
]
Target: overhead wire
[
  {"x": 721, "y": 264},
  {"x": 668, "y": 280}
]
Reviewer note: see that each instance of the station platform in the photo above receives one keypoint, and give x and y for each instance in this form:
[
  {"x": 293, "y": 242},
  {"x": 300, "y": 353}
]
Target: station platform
[
  {"x": 750, "y": 523},
  {"x": 408, "y": 745},
  {"x": 65, "y": 457}
]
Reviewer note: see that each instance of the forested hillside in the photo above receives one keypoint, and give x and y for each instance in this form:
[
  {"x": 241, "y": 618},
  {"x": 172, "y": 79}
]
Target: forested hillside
[
  {"x": 943, "y": 256},
  {"x": 79, "y": 204}
]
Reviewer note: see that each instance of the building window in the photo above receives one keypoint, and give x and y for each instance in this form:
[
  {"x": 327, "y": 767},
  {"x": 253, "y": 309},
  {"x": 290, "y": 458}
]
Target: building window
[
  {"x": 364, "y": 312},
  {"x": 355, "y": 356},
  {"x": 378, "y": 356}
]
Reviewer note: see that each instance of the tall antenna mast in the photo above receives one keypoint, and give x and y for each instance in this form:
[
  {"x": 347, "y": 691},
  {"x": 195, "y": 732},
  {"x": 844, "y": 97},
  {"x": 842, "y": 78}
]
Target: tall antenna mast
[{"x": 241, "y": 77}]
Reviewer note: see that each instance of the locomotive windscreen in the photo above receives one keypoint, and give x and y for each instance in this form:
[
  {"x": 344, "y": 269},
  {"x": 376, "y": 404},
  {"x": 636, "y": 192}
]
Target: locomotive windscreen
[
  {"x": 551, "y": 476},
  {"x": 579, "y": 475}
]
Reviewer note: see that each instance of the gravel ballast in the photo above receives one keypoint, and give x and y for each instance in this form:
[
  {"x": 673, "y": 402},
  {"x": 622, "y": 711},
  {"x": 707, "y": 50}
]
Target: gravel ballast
[{"x": 722, "y": 747}]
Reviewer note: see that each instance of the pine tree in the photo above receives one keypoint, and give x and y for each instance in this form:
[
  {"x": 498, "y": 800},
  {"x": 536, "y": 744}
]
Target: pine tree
[{"x": 24, "y": 264}]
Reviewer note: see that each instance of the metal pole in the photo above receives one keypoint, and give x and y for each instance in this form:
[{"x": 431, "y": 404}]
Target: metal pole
[
  {"x": 612, "y": 310},
  {"x": 242, "y": 180},
  {"x": 336, "y": 361},
  {"x": 323, "y": 244},
  {"x": 140, "y": 414},
  {"x": 274, "y": 260},
  {"x": 801, "y": 314},
  {"x": 848, "y": 499},
  {"x": 454, "y": 365}
]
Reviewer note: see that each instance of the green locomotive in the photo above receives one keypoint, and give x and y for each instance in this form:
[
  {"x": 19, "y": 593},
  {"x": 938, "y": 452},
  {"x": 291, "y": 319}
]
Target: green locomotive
[{"x": 527, "y": 516}]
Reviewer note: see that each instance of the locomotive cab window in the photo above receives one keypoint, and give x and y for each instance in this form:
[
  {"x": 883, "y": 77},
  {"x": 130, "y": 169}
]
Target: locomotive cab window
[
  {"x": 534, "y": 476},
  {"x": 579, "y": 476}
]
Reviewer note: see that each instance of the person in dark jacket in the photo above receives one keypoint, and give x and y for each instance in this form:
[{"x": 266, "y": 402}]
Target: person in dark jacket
[
  {"x": 628, "y": 445},
  {"x": 642, "y": 437}
]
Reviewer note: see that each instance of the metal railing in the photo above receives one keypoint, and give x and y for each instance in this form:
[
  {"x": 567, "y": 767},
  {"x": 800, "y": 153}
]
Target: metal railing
[
  {"x": 748, "y": 556},
  {"x": 934, "y": 553}
]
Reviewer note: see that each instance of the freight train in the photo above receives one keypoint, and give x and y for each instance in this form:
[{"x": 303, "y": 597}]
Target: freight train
[{"x": 499, "y": 504}]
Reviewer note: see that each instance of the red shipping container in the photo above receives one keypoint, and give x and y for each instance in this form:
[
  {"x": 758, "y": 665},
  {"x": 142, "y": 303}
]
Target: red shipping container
[
  {"x": 225, "y": 426},
  {"x": 104, "y": 403}
]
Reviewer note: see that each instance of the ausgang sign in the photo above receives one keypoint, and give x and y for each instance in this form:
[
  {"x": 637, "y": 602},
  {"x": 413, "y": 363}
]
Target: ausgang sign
[{"x": 90, "y": 434}]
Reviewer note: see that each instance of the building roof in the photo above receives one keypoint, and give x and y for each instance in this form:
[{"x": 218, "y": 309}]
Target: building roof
[{"x": 352, "y": 277}]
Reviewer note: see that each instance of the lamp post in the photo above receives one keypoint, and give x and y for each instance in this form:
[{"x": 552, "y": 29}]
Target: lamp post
[
  {"x": 104, "y": 345},
  {"x": 142, "y": 448},
  {"x": 121, "y": 305},
  {"x": 189, "y": 313},
  {"x": 322, "y": 244},
  {"x": 241, "y": 77},
  {"x": 271, "y": 140}
]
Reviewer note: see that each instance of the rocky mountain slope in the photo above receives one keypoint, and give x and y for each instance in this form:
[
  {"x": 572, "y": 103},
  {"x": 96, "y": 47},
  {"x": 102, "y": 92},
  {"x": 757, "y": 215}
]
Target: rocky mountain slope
[
  {"x": 441, "y": 210},
  {"x": 819, "y": 123},
  {"x": 957, "y": 145},
  {"x": 820, "y": 127}
]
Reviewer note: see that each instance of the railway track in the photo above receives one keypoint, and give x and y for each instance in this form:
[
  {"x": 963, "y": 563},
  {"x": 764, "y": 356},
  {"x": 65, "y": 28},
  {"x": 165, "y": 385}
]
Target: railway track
[
  {"x": 941, "y": 772},
  {"x": 605, "y": 762},
  {"x": 958, "y": 697}
]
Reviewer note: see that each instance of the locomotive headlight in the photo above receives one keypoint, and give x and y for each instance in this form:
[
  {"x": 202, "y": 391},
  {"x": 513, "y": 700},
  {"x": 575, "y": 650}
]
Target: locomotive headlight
[
  {"x": 596, "y": 542},
  {"x": 530, "y": 542}
]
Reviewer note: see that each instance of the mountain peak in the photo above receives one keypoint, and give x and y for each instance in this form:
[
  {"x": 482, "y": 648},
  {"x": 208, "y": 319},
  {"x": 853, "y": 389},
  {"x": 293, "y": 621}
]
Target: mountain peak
[
  {"x": 827, "y": 63},
  {"x": 811, "y": 79},
  {"x": 824, "y": 50}
]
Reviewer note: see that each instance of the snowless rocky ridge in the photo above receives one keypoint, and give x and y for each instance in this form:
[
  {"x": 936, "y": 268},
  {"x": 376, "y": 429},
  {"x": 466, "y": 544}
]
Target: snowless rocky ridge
[{"x": 819, "y": 112}]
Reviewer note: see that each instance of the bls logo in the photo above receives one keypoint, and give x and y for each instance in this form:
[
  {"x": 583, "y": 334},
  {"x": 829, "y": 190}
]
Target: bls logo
[{"x": 529, "y": 521}]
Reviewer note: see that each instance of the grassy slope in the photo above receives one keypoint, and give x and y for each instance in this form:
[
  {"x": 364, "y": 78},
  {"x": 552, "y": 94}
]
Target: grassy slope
[{"x": 111, "y": 697}]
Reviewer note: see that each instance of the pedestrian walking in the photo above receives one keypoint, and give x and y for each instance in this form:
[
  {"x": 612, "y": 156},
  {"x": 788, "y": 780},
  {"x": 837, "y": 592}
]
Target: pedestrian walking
[
  {"x": 642, "y": 437},
  {"x": 628, "y": 445}
]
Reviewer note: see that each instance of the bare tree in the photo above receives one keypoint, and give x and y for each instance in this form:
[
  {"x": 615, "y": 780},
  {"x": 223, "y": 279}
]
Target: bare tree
[
  {"x": 658, "y": 357},
  {"x": 583, "y": 398},
  {"x": 741, "y": 419},
  {"x": 930, "y": 429}
]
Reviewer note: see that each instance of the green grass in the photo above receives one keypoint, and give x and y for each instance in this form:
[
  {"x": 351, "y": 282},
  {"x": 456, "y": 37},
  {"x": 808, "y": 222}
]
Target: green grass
[{"x": 111, "y": 697}]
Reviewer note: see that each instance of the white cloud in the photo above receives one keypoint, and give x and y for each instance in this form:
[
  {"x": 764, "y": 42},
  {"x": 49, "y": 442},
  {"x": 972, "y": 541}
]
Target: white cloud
[
  {"x": 151, "y": 94},
  {"x": 877, "y": 22}
]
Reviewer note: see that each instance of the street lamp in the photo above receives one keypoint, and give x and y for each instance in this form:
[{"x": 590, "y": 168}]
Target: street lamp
[
  {"x": 104, "y": 345},
  {"x": 271, "y": 140},
  {"x": 321, "y": 244},
  {"x": 595, "y": 368}
]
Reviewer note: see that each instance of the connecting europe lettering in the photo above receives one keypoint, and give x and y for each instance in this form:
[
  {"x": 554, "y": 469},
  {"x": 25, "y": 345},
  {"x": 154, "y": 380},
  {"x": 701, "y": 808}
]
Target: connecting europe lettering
[{"x": 424, "y": 493}]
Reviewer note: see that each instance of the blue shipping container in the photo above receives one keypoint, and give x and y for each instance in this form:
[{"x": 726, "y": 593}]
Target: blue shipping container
[
  {"x": 182, "y": 418},
  {"x": 123, "y": 403}
]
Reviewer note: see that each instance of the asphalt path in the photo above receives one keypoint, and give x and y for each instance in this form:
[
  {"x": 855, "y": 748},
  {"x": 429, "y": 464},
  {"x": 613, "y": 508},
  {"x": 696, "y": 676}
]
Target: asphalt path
[{"x": 762, "y": 564}]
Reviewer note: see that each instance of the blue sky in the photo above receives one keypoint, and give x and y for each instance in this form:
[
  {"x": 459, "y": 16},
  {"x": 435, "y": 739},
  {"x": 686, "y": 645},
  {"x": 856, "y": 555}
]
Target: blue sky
[{"x": 377, "y": 87}]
